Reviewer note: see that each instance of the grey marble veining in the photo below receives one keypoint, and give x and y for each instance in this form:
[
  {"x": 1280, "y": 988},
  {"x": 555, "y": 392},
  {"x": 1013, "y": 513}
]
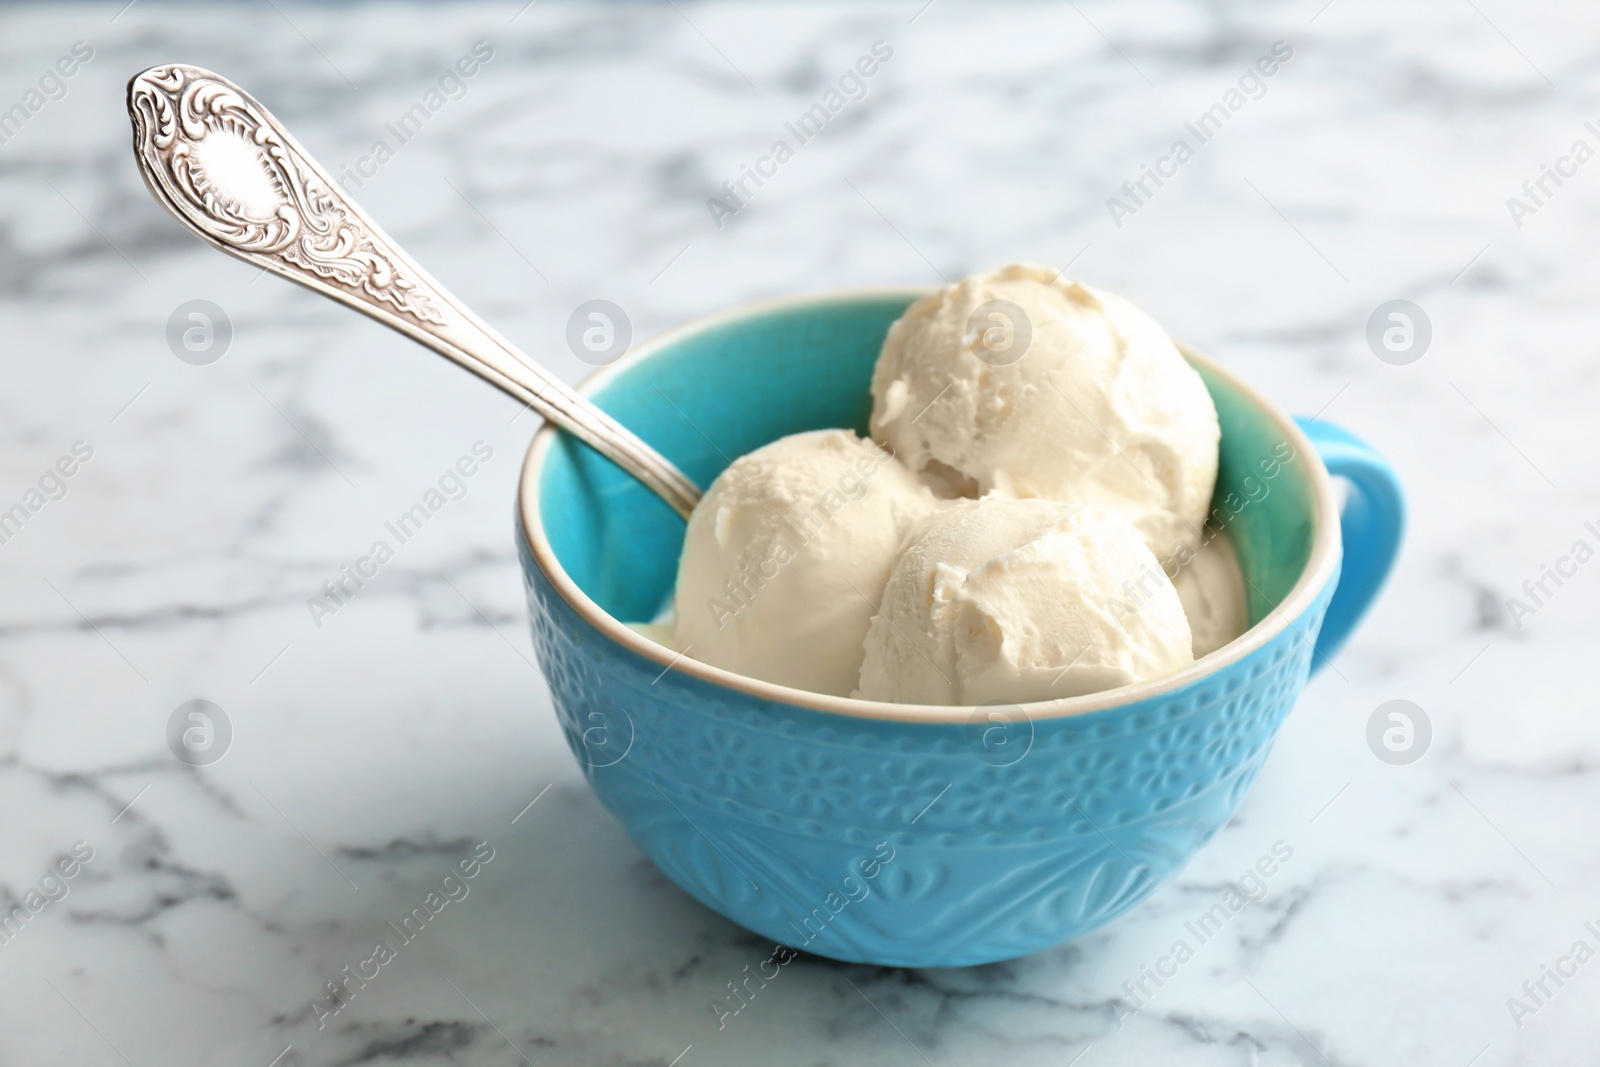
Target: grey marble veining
[{"x": 410, "y": 732}]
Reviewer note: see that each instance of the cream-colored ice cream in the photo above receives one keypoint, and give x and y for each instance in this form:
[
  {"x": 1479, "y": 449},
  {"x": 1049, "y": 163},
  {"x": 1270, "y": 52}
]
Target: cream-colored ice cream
[
  {"x": 1008, "y": 600},
  {"x": 1015, "y": 383},
  {"x": 787, "y": 554},
  {"x": 1210, "y": 586}
]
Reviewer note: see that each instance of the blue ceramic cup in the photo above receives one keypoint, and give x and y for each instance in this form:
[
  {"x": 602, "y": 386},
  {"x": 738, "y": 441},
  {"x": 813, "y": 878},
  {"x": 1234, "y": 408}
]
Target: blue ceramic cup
[{"x": 899, "y": 834}]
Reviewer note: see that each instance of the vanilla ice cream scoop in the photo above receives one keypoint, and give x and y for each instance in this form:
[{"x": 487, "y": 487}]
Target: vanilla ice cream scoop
[
  {"x": 1210, "y": 586},
  {"x": 787, "y": 554},
  {"x": 1007, "y": 600},
  {"x": 1015, "y": 383}
]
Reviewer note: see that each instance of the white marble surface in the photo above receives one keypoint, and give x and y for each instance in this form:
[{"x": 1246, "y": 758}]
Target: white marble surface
[{"x": 371, "y": 754}]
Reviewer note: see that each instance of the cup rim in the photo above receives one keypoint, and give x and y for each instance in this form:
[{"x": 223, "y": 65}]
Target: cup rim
[{"x": 1319, "y": 568}]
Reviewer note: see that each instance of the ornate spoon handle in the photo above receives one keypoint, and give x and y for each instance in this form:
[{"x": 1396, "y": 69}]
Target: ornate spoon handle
[{"x": 221, "y": 163}]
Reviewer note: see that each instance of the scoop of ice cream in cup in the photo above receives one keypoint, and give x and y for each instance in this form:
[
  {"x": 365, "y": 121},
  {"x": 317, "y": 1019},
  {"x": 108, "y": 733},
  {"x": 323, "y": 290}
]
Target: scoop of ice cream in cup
[
  {"x": 1004, "y": 601},
  {"x": 1018, "y": 382},
  {"x": 885, "y": 831},
  {"x": 785, "y": 557}
]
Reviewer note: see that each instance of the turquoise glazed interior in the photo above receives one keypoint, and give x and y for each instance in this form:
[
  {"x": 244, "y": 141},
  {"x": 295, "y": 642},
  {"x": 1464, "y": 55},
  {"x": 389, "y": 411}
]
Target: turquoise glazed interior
[{"x": 884, "y": 833}]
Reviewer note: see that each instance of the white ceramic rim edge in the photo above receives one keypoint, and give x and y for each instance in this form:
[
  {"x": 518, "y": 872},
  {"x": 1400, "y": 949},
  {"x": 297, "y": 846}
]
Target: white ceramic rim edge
[{"x": 1325, "y": 551}]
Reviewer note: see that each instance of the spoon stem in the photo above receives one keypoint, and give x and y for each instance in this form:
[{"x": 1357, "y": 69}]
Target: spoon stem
[{"x": 225, "y": 168}]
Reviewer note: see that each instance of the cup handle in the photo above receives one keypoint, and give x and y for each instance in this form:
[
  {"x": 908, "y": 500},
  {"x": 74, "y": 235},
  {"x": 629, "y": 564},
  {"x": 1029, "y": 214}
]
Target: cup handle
[{"x": 1370, "y": 526}]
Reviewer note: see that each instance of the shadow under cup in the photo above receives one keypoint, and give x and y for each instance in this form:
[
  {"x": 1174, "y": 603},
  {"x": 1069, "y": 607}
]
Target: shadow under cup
[{"x": 882, "y": 833}]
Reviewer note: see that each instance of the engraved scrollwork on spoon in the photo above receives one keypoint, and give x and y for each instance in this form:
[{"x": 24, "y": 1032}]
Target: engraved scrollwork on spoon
[{"x": 236, "y": 179}]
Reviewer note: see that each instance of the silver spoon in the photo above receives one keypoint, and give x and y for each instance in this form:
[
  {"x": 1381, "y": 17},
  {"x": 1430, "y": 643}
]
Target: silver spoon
[{"x": 224, "y": 166}]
